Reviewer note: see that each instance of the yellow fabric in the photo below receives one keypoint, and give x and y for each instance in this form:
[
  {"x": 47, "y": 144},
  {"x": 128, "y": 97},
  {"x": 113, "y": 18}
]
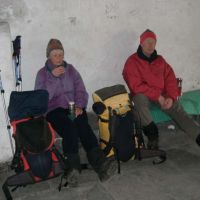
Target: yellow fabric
[{"x": 119, "y": 104}]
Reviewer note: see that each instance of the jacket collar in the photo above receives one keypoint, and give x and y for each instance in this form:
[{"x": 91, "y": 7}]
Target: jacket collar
[{"x": 143, "y": 57}]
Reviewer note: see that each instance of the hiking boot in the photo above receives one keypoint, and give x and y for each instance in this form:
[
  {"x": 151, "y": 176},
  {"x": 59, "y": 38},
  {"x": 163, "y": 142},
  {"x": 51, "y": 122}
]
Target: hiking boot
[
  {"x": 108, "y": 169},
  {"x": 198, "y": 140},
  {"x": 104, "y": 167},
  {"x": 72, "y": 169},
  {"x": 72, "y": 177},
  {"x": 152, "y": 144},
  {"x": 151, "y": 131}
]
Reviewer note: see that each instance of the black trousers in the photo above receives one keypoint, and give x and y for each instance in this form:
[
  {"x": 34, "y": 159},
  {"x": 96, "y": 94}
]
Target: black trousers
[{"x": 72, "y": 130}]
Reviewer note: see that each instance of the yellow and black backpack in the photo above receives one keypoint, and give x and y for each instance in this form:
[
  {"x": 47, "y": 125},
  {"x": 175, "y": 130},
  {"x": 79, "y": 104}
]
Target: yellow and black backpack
[
  {"x": 119, "y": 134},
  {"x": 113, "y": 107}
]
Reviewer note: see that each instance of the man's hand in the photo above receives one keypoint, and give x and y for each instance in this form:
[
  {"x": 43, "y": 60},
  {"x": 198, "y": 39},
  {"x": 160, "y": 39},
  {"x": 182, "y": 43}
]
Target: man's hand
[
  {"x": 168, "y": 103},
  {"x": 161, "y": 101},
  {"x": 78, "y": 111},
  {"x": 58, "y": 71},
  {"x": 165, "y": 103}
]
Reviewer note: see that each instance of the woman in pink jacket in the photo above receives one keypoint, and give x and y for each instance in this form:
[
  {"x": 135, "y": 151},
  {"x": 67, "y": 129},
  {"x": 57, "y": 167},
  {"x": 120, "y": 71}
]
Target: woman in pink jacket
[{"x": 151, "y": 79}]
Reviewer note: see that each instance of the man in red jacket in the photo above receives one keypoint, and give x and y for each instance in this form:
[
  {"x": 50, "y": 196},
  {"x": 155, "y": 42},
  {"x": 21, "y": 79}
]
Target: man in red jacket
[{"x": 151, "y": 79}]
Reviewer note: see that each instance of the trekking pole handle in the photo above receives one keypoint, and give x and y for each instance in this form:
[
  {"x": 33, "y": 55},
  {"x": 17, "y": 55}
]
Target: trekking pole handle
[
  {"x": 17, "y": 46},
  {"x": 1, "y": 85}
]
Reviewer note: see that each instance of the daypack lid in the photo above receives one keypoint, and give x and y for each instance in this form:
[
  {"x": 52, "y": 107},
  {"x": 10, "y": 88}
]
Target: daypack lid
[
  {"x": 27, "y": 104},
  {"x": 108, "y": 92}
]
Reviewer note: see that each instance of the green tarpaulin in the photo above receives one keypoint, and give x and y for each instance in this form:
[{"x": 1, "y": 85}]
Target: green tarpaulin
[{"x": 189, "y": 100}]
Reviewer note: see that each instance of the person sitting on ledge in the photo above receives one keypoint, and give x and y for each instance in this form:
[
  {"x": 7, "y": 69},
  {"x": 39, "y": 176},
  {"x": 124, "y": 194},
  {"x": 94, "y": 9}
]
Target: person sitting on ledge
[
  {"x": 64, "y": 85},
  {"x": 151, "y": 79}
]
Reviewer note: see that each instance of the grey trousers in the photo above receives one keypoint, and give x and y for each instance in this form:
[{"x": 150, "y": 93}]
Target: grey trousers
[{"x": 176, "y": 112}]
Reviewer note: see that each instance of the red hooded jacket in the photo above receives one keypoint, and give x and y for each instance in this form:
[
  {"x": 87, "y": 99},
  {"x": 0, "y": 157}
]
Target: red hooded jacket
[{"x": 150, "y": 78}]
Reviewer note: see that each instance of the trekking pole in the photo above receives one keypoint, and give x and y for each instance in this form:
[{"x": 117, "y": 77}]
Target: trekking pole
[
  {"x": 6, "y": 114},
  {"x": 17, "y": 62}
]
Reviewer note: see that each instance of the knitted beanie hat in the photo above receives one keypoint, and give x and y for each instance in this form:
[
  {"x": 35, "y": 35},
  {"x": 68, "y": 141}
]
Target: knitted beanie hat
[
  {"x": 52, "y": 45},
  {"x": 147, "y": 34}
]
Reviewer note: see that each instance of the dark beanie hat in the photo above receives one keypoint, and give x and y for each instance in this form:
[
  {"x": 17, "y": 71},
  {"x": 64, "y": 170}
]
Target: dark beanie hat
[{"x": 52, "y": 45}]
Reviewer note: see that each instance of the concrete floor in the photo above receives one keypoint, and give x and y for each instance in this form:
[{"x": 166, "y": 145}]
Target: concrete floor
[{"x": 176, "y": 179}]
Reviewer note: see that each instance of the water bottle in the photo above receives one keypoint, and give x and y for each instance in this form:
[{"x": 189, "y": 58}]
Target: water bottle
[{"x": 72, "y": 110}]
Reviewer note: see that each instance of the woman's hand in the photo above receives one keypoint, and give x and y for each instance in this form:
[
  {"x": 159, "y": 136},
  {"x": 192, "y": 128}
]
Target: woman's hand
[
  {"x": 78, "y": 111},
  {"x": 58, "y": 71}
]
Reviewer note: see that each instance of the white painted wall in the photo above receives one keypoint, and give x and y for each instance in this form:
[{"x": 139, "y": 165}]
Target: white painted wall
[
  {"x": 6, "y": 88},
  {"x": 98, "y": 36}
]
